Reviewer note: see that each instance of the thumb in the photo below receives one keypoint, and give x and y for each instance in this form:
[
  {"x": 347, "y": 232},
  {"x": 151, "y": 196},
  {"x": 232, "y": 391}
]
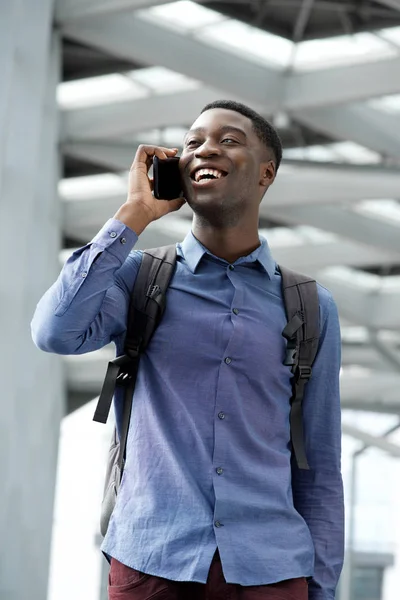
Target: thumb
[{"x": 176, "y": 204}]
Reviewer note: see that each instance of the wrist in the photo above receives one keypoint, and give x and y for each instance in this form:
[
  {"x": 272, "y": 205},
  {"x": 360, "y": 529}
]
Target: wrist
[{"x": 134, "y": 216}]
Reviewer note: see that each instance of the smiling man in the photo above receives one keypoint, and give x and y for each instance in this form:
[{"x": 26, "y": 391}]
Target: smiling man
[{"x": 211, "y": 505}]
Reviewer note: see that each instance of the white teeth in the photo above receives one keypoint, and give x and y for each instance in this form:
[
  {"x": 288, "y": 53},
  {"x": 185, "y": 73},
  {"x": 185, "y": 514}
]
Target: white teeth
[{"x": 201, "y": 172}]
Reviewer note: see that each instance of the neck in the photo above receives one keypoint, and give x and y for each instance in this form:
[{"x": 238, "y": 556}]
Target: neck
[{"x": 229, "y": 244}]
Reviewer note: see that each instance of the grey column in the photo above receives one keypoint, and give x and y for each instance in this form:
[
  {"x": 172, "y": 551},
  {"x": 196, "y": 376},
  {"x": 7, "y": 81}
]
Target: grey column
[{"x": 32, "y": 389}]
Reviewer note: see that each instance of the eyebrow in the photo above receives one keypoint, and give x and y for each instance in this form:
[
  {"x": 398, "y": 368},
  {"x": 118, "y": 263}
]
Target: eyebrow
[{"x": 223, "y": 129}]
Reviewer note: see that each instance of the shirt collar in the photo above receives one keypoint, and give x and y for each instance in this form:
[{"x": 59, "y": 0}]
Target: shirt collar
[{"x": 193, "y": 251}]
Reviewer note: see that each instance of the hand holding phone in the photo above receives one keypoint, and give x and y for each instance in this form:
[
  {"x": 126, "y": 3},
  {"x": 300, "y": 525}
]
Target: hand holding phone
[
  {"x": 167, "y": 178},
  {"x": 141, "y": 207}
]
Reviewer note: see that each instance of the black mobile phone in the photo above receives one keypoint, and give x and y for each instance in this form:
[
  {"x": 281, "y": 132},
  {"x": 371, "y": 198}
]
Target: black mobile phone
[{"x": 167, "y": 178}]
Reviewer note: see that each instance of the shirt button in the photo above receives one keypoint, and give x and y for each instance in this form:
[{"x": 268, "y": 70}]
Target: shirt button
[
  {"x": 218, "y": 524},
  {"x": 84, "y": 274},
  {"x": 228, "y": 360},
  {"x": 123, "y": 240},
  {"x": 236, "y": 311},
  {"x": 219, "y": 471},
  {"x": 221, "y": 415},
  {"x": 231, "y": 268},
  {"x": 113, "y": 234}
]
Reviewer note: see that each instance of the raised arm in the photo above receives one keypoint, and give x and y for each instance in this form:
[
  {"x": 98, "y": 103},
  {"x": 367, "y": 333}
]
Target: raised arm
[{"x": 86, "y": 307}]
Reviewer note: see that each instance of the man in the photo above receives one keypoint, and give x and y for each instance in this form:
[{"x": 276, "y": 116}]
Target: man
[{"x": 210, "y": 505}]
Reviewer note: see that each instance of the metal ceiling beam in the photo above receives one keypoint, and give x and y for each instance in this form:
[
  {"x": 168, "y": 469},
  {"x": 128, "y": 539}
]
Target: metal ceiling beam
[
  {"x": 366, "y": 356},
  {"x": 371, "y": 440},
  {"x": 342, "y": 85},
  {"x": 296, "y": 184},
  {"x": 133, "y": 116},
  {"x": 309, "y": 257},
  {"x": 370, "y": 391},
  {"x": 344, "y": 222},
  {"x": 300, "y": 195},
  {"x": 362, "y": 124},
  {"x": 395, "y": 4},
  {"x": 114, "y": 156},
  {"x": 69, "y": 10},
  {"x": 388, "y": 353},
  {"x": 373, "y": 391},
  {"x": 136, "y": 38},
  {"x": 364, "y": 300}
]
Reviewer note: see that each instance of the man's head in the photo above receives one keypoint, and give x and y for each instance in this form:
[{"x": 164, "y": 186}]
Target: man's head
[{"x": 230, "y": 158}]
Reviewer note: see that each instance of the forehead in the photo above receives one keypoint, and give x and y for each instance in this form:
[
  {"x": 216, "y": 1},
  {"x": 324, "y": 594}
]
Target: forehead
[{"x": 216, "y": 118}]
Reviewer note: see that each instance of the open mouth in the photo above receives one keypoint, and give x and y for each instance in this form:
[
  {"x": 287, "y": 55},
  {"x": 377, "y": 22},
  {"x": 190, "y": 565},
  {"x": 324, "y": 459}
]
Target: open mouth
[{"x": 204, "y": 176}]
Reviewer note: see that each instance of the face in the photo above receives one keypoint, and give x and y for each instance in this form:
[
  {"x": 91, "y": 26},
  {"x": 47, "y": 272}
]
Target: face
[{"x": 225, "y": 168}]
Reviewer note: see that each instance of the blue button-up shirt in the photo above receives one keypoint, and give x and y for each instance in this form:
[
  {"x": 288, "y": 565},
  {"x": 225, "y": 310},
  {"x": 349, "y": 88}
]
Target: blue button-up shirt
[{"x": 208, "y": 456}]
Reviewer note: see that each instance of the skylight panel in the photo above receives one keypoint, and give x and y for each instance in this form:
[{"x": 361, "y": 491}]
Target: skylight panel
[
  {"x": 355, "y": 153},
  {"x": 87, "y": 187},
  {"x": 250, "y": 41},
  {"x": 184, "y": 15},
  {"x": 171, "y": 137},
  {"x": 343, "y": 50},
  {"x": 390, "y": 104},
  {"x": 340, "y": 152},
  {"x": 163, "y": 81},
  {"x": 387, "y": 210},
  {"x": 93, "y": 91},
  {"x": 297, "y": 236},
  {"x": 392, "y": 34},
  {"x": 317, "y": 153}
]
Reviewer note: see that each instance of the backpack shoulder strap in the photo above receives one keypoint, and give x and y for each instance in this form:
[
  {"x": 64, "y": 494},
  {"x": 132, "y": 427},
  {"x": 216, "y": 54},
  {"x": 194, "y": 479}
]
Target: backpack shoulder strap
[
  {"x": 147, "y": 304},
  {"x": 300, "y": 295},
  {"x": 146, "y": 308}
]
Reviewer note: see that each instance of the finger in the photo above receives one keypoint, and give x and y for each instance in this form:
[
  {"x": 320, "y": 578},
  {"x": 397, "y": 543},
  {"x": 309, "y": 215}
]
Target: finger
[
  {"x": 145, "y": 154},
  {"x": 151, "y": 182}
]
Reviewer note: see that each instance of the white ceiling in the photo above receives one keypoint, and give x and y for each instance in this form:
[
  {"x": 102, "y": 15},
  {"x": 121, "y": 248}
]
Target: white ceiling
[{"x": 337, "y": 204}]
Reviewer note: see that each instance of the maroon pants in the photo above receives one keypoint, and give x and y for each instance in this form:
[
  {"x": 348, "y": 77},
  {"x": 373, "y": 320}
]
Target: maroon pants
[{"x": 128, "y": 584}]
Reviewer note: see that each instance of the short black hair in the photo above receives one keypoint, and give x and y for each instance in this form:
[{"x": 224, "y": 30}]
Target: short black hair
[{"x": 265, "y": 132}]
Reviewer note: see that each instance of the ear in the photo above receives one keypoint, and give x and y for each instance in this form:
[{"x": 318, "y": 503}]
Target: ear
[{"x": 267, "y": 173}]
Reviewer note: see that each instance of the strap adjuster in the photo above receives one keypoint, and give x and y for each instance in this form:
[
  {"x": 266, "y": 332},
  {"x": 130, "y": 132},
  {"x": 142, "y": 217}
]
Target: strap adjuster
[{"x": 304, "y": 372}]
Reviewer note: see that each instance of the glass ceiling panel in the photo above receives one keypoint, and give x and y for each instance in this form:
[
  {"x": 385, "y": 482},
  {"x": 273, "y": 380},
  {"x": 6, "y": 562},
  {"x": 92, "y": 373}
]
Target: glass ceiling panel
[
  {"x": 335, "y": 51},
  {"x": 340, "y": 152},
  {"x": 216, "y": 29},
  {"x": 297, "y": 236},
  {"x": 254, "y": 42},
  {"x": 392, "y": 34},
  {"x": 82, "y": 188},
  {"x": 183, "y": 15},
  {"x": 390, "y": 104},
  {"x": 170, "y": 136},
  {"x": 386, "y": 210},
  {"x": 93, "y": 91},
  {"x": 163, "y": 81}
]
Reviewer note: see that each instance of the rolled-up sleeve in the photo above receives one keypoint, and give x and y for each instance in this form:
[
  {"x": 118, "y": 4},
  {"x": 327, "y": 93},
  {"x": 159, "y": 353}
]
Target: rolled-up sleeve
[
  {"x": 318, "y": 493},
  {"x": 86, "y": 308}
]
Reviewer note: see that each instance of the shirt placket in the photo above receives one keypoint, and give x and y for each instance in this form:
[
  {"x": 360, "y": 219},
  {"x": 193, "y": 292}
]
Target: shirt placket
[{"x": 223, "y": 408}]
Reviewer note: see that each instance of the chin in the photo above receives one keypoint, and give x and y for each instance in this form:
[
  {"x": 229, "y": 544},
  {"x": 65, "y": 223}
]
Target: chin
[{"x": 216, "y": 212}]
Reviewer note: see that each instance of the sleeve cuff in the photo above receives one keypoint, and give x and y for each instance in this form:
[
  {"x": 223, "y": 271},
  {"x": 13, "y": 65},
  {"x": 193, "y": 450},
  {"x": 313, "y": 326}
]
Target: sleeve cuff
[{"x": 117, "y": 238}]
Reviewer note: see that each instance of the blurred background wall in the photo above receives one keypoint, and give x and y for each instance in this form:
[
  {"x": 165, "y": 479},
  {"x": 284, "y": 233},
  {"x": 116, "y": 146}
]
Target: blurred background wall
[{"x": 82, "y": 83}]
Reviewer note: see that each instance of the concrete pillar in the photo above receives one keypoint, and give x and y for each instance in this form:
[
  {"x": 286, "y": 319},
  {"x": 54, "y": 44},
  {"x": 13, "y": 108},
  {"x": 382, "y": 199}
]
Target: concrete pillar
[{"x": 32, "y": 389}]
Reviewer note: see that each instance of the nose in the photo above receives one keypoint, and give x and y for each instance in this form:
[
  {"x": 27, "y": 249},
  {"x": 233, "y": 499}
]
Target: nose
[{"x": 207, "y": 148}]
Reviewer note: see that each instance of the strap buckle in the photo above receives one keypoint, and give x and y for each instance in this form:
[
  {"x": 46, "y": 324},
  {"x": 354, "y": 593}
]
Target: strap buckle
[{"x": 291, "y": 356}]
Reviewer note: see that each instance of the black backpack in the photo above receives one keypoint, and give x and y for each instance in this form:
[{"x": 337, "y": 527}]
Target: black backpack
[{"x": 147, "y": 305}]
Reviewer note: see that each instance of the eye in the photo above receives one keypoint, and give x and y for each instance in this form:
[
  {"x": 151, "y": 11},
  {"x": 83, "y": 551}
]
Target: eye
[
  {"x": 191, "y": 143},
  {"x": 230, "y": 140}
]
